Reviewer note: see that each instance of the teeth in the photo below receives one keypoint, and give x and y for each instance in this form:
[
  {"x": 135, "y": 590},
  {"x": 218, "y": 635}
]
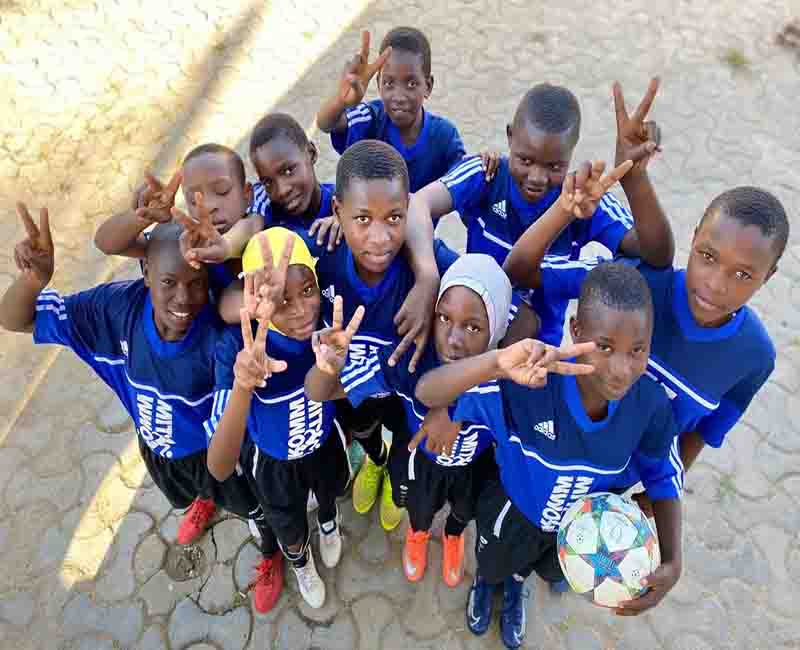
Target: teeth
[{"x": 180, "y": 314}]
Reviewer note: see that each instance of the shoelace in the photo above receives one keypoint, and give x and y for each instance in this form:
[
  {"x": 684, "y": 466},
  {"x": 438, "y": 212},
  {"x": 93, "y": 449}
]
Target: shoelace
[
  {"x": 305, "y": 576},
  {"x": 264, "y": 573},
  {"x": 200, "y": 511}
]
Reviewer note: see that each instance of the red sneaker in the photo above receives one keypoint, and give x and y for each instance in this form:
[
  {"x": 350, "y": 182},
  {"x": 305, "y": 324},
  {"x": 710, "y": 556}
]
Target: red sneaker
[
  {"x": 268, "y": 584},
  {"x": 195, "y": 520}
]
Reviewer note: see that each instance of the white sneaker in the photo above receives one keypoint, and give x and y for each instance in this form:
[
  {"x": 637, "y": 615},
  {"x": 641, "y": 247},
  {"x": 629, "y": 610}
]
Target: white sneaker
[
  {"x": 312, "y": 589},
  {"x": 254, "y": 530},
  {"x": 330, "y": 541},
  {"x": 312, "y": 504}
]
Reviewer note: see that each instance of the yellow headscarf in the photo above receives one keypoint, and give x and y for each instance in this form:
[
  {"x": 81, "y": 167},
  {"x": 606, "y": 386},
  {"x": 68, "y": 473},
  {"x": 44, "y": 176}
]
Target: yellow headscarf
[{"x": 275, "y": 238}]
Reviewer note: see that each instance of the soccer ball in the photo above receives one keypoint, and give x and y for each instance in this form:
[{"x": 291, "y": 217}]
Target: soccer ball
[{"x": 605, "y": 547}]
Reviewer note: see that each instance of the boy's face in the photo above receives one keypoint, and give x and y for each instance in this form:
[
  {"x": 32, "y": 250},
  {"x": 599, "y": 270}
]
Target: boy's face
[
  {"x": 297, "y": 316},
  {"x": 623, "y": 345},
  {"x": 538, "y": 161},
  {"x": 403, "y": 87},
  {"x": 287, "y": 173},
  {"x": 461, "y": 328},
  {"x": 372, "y": 214},
  {"x": 728, "y": 263},
  {"x": 177, "y": 291},
  {"x": 224, "y": 195}
]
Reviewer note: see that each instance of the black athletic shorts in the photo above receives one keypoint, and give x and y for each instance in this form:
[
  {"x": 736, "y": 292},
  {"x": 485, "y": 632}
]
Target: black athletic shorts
[
  {"x": 375, "y": 411},
  {"x": 422, "y": 486},
  {"x": 508, "y": 543},
  {"x": 182, "y": 480},
  {"x": 282, "y": 486}
]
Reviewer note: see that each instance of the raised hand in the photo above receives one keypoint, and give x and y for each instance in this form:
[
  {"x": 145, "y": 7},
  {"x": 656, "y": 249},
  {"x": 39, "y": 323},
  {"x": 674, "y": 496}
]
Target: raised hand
[
  {"x": 637, "y": 139},
  {"x": 264, "y": 288},
  {"x": 414, "y": 322},
  {"x": 154, "y": 201},
  {"x": 35, "y": 255},
  {"x": 529, "y": 361},
  {"x": 253, "y": 367},
  {"x": 200, "y": 241},
  {"x": 490, "y": 160},
  {"x": 440, "y": 430},
  {"x": 327, "y": 226},
  {"x": 359, "y": 72},
  {"x": 658, "y": 585},
  {"x": 332, "y": 343},
  {"x": 583, "y": 189}
]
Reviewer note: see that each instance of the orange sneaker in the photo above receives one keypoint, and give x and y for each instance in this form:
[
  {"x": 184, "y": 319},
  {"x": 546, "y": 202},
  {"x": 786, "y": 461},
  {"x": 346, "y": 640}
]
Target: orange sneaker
[
  {"x": 268, "y": 585},
  {"x": 453, "y": 559},
  {"x": 415, "y": 554},
  {"x": 195, "y": 520}
]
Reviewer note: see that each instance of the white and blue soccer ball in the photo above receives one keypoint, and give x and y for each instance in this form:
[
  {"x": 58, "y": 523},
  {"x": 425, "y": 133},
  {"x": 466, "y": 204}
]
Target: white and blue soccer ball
[{"x": 606, "y": 545}]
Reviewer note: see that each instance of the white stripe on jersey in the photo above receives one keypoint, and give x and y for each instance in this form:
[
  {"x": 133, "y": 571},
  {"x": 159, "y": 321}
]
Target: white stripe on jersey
[
  {"x": 567, "y": 468},
  {"x": 359, "y": 120},
  {"x": 357, "y": 367},
  {"x": 559, "y": 262},
  {"x": 703, "y": 402},
  {"x": 365, "y": 377},
  {"x": 492, "y": 237},
  {"x": 277, "y": 400},
  {"x": 108, "y": 361},
  {"x": 464, "y": 170},
  {"x": 50, "y": 296},
  {"x": 483, "y": 389},
  {"x": 62, "y": 315},
  {"x": 359, "y": 109},
  {"x": 616, "y": 210}
]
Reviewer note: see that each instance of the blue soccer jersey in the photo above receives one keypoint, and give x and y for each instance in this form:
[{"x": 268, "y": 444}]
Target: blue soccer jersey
[
  {"x": 437, "y": 149},
  {"x": 282, "y": 422},
  {"x": 551, "y": 453},
  {"x": 372, "y": 376},
  {"x": 496, "y": 215},
  {"x": 276, "y": 216},
  {"x": 710, "y": 374},
  {"x": 165, "y": 386},
  {"x": 338, "y": 276}
]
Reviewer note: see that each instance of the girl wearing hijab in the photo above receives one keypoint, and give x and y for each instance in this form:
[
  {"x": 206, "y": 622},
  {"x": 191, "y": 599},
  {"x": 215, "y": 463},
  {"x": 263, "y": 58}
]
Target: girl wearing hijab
[
  {"x": 472, "y": 314},
  {"x": 266, "y": 427}
]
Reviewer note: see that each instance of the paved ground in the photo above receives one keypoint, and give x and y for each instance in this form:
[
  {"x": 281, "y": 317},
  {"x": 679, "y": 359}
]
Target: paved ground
[{"x": 96, "y": 91}]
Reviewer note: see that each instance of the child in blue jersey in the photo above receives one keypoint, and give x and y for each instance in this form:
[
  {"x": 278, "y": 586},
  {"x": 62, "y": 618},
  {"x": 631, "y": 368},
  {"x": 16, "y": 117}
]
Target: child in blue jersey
[
  {"x": 288, "y": 194},
  {"x": 569, "y": 437},
  {"x": 217, "y": 195},
  {"x": 429, "y": 144},
  {"x": 286, "y": 443},
  {"x": 710, "y": 351},
  {"x": 541, "y": 140},
  {"x": 152, "y": 341},
  {"x": 472, "y": 314}
]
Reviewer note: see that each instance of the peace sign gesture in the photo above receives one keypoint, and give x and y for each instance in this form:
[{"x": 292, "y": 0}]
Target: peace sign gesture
[
  {"x": 35, "y": 255},
  {"x": 264, "y": 288},
  {"x": 200, "y": 241},
  {"x": 583, "y": 189},
  {"x": 528, "y": 362},
  {"x": 331, "y": 344},
  {"x": 253, "y": 367},
  {"x": 358, "y": 72},
  {"x": 153, "y": 200},
  {"x": 637, "y": 139}
]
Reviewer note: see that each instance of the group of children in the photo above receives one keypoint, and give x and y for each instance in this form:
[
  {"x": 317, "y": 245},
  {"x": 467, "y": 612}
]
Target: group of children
[{"x": 277, "y": 325}]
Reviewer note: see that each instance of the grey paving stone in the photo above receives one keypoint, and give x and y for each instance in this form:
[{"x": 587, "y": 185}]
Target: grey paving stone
[
  {"x": 372, "y": 613},
  {"x": 292, "y": 632},
  {"x": 153, "y": 639},
  {"x": 374, "y": 547},
  {"x": 17, "y": 608},
  {"x": 218, "y": 593},
  {"x": 229, "y": 535},
  {"x": 117, "y": 580},
  {"x": 340, "y": 635},
  {"x": 149, "y": 557},
  {"x": 189, "y": 624},
  {"x": 121, "y": 622}
]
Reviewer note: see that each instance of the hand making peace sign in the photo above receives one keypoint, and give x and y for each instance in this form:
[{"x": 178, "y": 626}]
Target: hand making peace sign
[
  {"x": 35, "y": 255},
  {"x": 264, "y": 288},
  {"x": 637, "y": 139},
  {"x": 529, "y": 361},
  {"x": 200, "y": 241},
  {"x": 583, "y": 189},
  {"x": 331, "y": 344},
  {"x": 253, "y": 367},
  {"x": 359, "y": 72},
  {"x": 153, "y": 201}
]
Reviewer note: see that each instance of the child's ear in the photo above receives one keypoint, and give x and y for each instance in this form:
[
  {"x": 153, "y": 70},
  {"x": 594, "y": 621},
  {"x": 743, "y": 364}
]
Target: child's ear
[
  {"x": 429, "y": 81},
  {"x": 145, "y": 273},
  {"x": 574, "y": 328},
  {"x": 771, "y": 273},
  {"x": 509, "y": 131},
  {"x": 248, "y": 193},
  {"x": 313, "y": 154},
  {"x": 337, "y": 207}
]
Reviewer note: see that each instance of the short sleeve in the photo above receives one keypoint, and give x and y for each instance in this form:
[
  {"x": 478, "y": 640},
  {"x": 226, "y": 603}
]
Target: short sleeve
[
  {"x": 260, "y": 203},
  {"x": 610, "y": 223},
  {"x": 361, "y": 121},
  {"x": 562, "y": 277},
  {"x": 364, "y": 377},
  {"x": 444, "y": 255},
  {"x": 715, "y": 426},
  {"x": 483, "y": 404},
  {"x": 657, "y": 459},
  {"x": 225, "y": 353},
  {"x": 467, "y": 184}
]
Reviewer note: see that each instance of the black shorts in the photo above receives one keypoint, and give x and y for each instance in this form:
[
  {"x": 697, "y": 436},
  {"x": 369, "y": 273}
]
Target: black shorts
[
  {"x": 508, "y": 543},
  {"x": 422, "y": 486},
  {"x": 182, "y": 480},
  {"x": 371, "y": 413},
  {"x": 282, "y": 486}
]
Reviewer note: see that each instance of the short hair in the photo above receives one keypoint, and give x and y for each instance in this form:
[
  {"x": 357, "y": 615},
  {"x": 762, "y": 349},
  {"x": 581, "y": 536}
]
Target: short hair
[
  {"x": 164, "y": 236},
  {"x": 213, "y": 148},
  {"x": 616, "y": 285},
  {"x": 553, "y": 109},
  {"x": 752, "y": 206},
  {"x": 277, "y": 125},
  {"x": 369, "y": 160},
  {"x": 409, "y": 39}
]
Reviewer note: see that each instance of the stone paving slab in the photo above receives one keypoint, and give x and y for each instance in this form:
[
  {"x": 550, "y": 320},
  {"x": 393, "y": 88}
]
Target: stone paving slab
[{"x": 100, "y": 91}]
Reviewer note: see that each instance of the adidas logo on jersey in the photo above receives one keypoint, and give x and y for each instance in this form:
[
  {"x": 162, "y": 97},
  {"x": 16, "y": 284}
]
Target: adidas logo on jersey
[
  {"x": 546, "y": 429},
  {"x": 124, "y": 347},
  {"x": 500, "y": 209},
  {"x": 329, "y": 293}
]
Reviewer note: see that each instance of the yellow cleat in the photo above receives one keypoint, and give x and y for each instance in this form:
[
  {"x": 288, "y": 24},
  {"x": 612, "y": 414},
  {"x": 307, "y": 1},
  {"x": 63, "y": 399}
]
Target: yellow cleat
[
  {"x": 391, "y": 515},
  {"x": 366, "y": 486}
]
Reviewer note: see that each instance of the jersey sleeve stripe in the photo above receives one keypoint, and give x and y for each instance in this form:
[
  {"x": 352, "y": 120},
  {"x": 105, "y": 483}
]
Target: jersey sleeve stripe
[
  {"x": 357, "y": 367},
  {"x": 616, "y": 210},
  {"x": 468, "y": 168},
  {"x": 60, "y": 311},
  {"x": 360, "y": 380},
  {"x": 491, "y": 237}
]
